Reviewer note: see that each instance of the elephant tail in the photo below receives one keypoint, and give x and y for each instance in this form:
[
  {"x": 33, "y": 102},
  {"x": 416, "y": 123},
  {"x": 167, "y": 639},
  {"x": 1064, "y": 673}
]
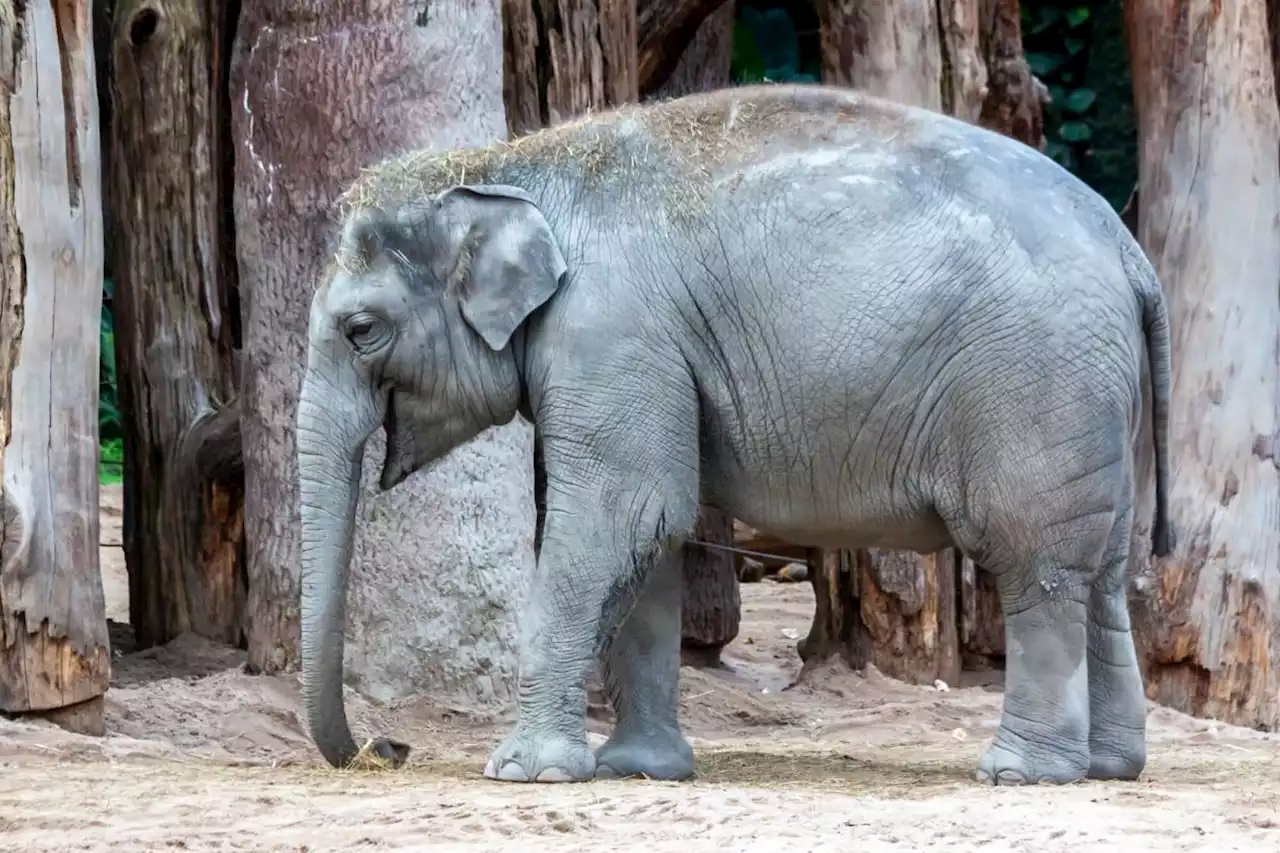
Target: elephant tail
[{"x": 1155, "y": 328}]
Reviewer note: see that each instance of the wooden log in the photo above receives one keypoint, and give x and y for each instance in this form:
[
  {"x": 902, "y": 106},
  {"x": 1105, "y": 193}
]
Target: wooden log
[
  {"x": 54, "y": 653},
  {"x": 177, "y": 317},
  {"x": 565, "y": 57},
  {"x": 1207, "y": 617}
]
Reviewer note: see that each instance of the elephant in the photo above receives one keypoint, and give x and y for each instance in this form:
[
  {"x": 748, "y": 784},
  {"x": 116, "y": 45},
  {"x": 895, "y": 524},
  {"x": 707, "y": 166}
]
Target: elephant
[{"x": 844, "y": 321}]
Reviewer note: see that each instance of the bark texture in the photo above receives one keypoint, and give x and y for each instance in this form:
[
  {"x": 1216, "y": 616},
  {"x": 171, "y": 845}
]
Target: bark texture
[
  {"x": 919, "y": 618},
  {"x": 319, "y": 90},
  {"x": 174, "y": 264},
  {"x": 703, "y": 65},
  {"x": 891, "y": 48},
  {"x": 54, "y": 654},
  {"x": 666, "y": 33},
  {"x": 1207, "y": 617},
  {"x": 574, "y": 56},
  {"x": 711, "y": 604},
  {"x": 565, "y": 57}
]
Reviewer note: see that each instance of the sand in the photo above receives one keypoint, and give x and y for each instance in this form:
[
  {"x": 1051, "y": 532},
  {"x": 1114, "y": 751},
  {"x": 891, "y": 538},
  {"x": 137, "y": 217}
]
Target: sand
[{"x": 200, "y": 756}]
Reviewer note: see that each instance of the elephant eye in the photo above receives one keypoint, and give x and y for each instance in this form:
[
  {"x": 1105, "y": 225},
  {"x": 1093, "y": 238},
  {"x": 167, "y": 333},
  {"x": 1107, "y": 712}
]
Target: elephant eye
[{"x": 364, "y": 331}]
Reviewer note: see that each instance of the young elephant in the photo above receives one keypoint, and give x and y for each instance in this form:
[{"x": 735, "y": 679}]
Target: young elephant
[{"x": 843, "y": 321}]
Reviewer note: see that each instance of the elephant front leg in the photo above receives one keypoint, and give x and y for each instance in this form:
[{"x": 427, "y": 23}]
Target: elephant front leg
[
  {"x": 642, "y": 676},
  {"x": 599, "y": 548},
  {"x": 559, "y": 636}
]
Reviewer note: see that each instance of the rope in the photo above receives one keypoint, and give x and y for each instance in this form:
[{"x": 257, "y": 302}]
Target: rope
[{"x": 717, "y": 547}]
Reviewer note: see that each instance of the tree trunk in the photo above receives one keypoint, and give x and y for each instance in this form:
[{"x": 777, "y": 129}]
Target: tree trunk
[
  {"x": 1207, "y": 617},
  {"x": 565, "y": 57},
  {"x": 891, "y": 48},
  {"x": 54, "y": 654},
  {"x": 589, "y": 65},
  {"x": 321, "y": 89},
  {"x": 918, "y": 616},
  {"x": 666, "y": 32},
  {"x": 174, "y": 264},
  {"x": 711, "y": 604},
  {"x": 706, "y": 62}
]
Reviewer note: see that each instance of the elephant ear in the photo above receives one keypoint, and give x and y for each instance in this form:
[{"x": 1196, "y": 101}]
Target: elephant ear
[{"x": 510, "y": 262}]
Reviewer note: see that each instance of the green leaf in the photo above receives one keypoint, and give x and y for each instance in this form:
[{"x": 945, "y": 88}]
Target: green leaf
[
  {"x": 1079, "y": 100},
  {"x": 1043, "y": 64},
  {"x": 1074, "y": 44},
  {"x": 1075, "y": 131},
  {"x": 1058, "y": 94},
  {"x": 1067, "y": 76},
  {"x": 1077, "y": 16}
]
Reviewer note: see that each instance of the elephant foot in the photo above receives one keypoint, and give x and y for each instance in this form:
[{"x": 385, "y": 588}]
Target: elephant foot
[
  {"x": 1120, "y": 756},
  {"x": 1004, "y": 764},
  {"x": 527, "y": 757},
  {"x": 666, "y": 757}
]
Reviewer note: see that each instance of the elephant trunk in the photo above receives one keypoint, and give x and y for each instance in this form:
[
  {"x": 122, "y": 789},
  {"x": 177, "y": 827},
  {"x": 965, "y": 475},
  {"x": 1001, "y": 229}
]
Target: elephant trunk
[{"x": 329, "y": 462}]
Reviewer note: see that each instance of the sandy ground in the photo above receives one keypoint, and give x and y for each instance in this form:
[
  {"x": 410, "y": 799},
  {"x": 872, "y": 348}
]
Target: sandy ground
[{"x": 202, "y": 757}]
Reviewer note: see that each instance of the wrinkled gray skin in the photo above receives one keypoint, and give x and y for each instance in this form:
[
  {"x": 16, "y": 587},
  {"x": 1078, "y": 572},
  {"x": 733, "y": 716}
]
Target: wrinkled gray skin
[{"x": 843, "y": 321}]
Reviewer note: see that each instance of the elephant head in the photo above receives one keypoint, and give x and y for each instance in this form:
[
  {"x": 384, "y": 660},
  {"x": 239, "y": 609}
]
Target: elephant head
[{"x": 412, "y": 331}]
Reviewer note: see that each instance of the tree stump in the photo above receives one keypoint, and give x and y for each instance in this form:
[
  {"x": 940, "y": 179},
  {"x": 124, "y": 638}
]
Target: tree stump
[
  {"x": 54, "y": 651},
  {"x": 176, "y": 306},
  {"x": 1207, "y": 617},
  {"x": 917, "y": 617},
  {"x": 711, "y": 604}
]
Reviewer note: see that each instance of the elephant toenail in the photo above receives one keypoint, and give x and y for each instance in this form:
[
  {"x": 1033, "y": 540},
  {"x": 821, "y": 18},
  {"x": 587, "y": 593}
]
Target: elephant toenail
[
  {"x": 1010, "y": 777},
  {"x": 553, "y": 774},
  {"x": 512, "y": 772}
]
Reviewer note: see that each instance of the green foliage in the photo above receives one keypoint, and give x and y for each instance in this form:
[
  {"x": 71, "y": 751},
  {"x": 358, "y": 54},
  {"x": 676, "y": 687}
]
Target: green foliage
[
  {"x": 111, "y": 462},
  {"x": 767, "y": 48},
  {"x": 1057, "y": 36},
  {"x": 110, "y": 423}
]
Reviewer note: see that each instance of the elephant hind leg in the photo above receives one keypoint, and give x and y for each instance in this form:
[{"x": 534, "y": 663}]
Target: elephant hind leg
[
  {"x": 1117, "y": 700},
  {"x": 642, "y": 673},
  {"x": 1045, "y": 554}
]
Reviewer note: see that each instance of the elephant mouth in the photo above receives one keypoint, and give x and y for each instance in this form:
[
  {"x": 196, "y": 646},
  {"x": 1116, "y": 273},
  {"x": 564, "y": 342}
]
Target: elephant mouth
[{"x": 403, "y": 456}]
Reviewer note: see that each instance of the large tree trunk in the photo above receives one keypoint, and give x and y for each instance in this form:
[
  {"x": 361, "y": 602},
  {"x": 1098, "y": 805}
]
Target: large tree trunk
[
  {"x": 688, "y": 40},
  {"x": 916, "y": 617},
  {"x": 321, "y": 89},
  {"x": 54, "y": 654},
  {"x": 174, "y": 264},
  {"x": 565, "y": 57},
  {"x": 584, "y": 58},
  {"x": 703, "y": 65},
  {"x": 1207, "y": 617}
]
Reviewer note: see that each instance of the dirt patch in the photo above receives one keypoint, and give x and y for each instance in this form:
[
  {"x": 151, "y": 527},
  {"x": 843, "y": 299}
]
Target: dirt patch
[{"x": 201, "y": 756}]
